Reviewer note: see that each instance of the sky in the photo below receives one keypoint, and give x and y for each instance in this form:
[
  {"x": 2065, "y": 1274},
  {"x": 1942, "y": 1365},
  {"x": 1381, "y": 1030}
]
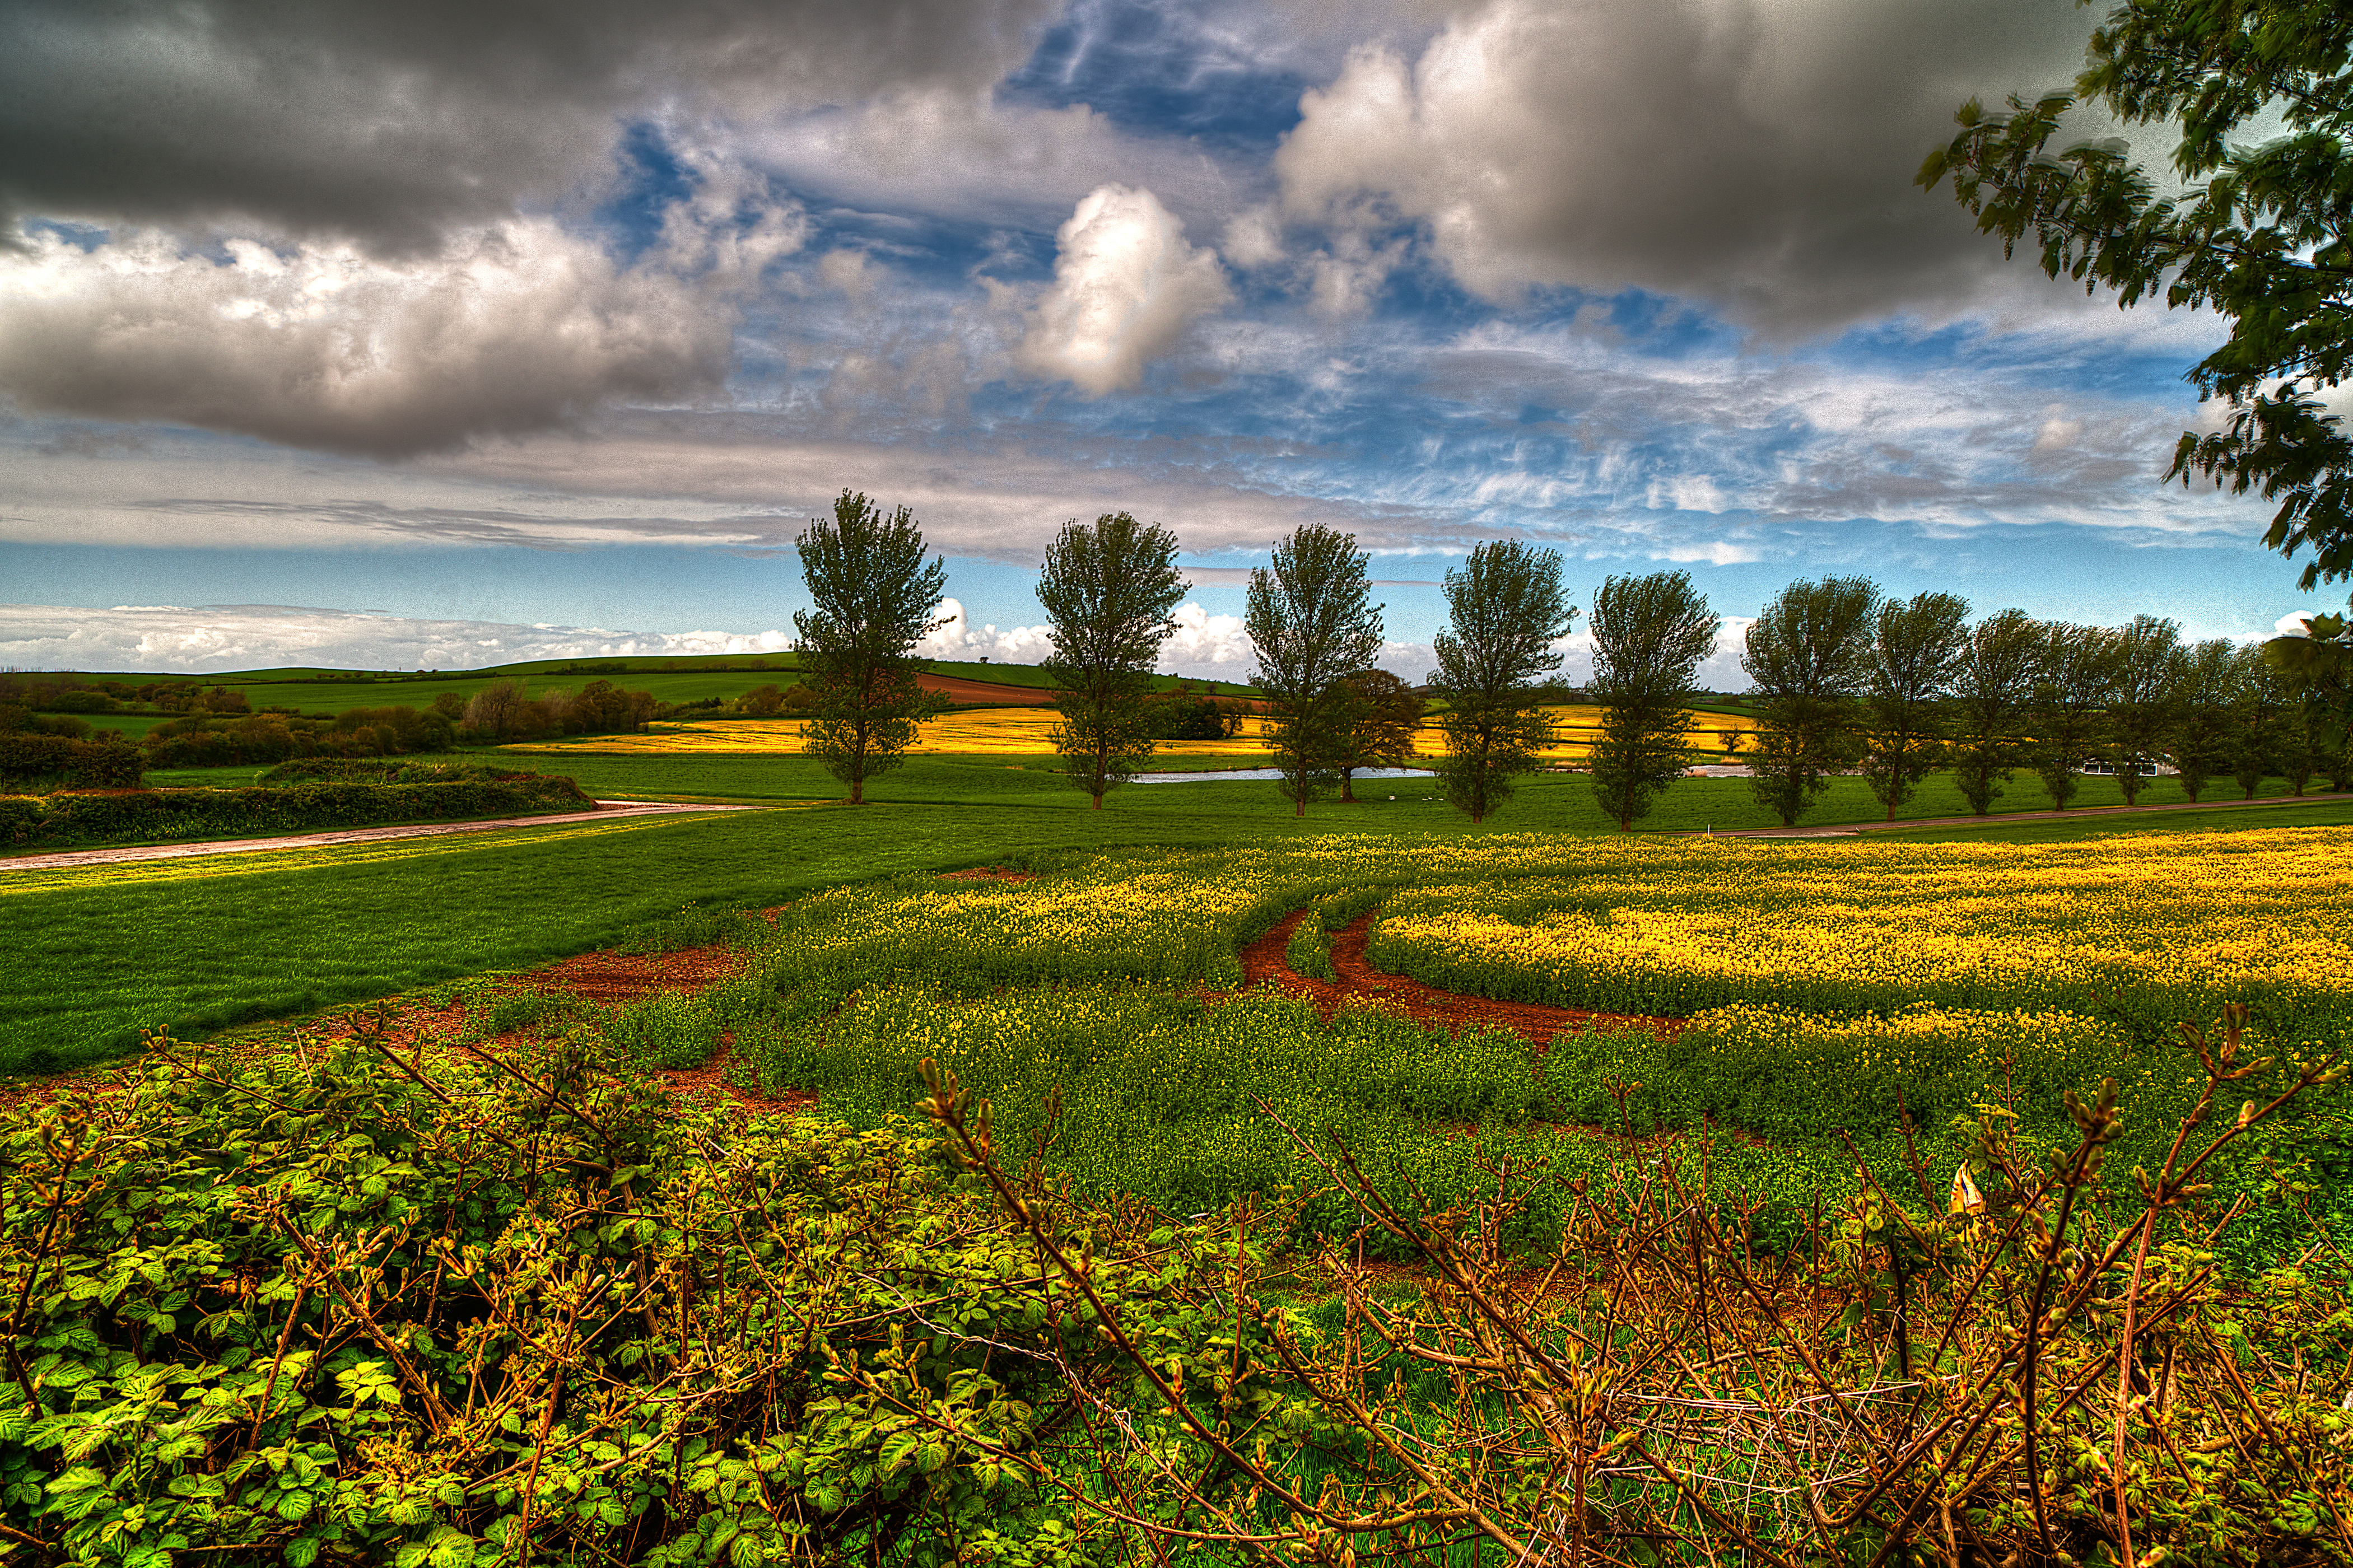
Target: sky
[{"x": 449, "y": 333}]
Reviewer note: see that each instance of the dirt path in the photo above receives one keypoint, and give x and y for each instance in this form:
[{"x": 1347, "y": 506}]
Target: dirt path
[
  {"x": 1266, "y": 960},
  {"x": 607, "y": 810},
  {"x": 1850, "y": 829}
]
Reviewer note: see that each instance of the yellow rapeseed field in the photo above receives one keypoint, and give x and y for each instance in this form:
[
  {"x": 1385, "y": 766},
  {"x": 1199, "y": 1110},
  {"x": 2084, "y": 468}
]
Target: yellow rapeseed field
[
  {"x": 2170, "y": 924},
  {"x": 1027, "y": 732}
]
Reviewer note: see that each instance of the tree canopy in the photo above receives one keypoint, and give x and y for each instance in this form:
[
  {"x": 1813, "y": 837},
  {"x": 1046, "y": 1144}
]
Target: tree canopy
[
  {"x": 1107, "y": 588},
  {"x": 872, "y": 597},
  {"x": 1505, "y": 610},
  {"x": 1311, "y": 619},
  {"x": 2260, "y": 94},
  {"x": 1651, "y": 635}
]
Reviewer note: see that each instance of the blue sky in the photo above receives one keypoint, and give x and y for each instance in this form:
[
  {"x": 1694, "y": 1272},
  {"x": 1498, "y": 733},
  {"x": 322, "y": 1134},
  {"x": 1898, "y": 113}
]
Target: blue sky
[{"x": 524, "y": 335}]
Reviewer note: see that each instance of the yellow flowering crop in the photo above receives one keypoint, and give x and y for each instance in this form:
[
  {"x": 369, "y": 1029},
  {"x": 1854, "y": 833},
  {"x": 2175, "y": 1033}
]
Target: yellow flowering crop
[
  {"x": 2169, "y": 926},
  {"x": 1028, "y": 732}
]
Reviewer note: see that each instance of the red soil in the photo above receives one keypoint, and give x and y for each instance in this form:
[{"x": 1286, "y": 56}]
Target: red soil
[
  {"x": 1359, "y": 982},
  {"x": 985, "y": 693},
  {"x": 611, "y": 977}
]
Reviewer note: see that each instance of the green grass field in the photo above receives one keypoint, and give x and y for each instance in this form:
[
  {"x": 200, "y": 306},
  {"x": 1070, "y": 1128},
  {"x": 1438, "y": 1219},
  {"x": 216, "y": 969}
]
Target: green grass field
[{"x": 195, "y": 945}]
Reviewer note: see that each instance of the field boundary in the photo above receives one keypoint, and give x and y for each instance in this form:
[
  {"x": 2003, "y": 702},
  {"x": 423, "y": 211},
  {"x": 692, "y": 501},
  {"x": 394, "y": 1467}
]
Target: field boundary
[
  {"x": 2005, "y": 818},
  {"x": 607, "y": 811}
]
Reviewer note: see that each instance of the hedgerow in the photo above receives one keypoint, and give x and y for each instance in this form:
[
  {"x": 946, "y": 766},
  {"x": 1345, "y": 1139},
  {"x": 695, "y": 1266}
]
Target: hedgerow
[{"x": 71, "y": 818}]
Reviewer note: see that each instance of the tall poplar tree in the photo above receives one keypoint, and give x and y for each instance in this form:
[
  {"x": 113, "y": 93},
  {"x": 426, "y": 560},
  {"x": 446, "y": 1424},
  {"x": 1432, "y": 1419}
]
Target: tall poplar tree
[
  {"x": 1506, "y": 608},
  {"x": 2146, "y": 702},
  {"x": 1107, "y": 588},
  {"x": 1993, "y": 694},
  {"x": 2071, "y": 705},
  {"x": 873, "y": 597},
  {"x": 1808, "y": 655},
  {"x": 1311, "y": 619},
  {"x": 1916, "y": 648},
  {"x": 1651, "y": 635},
  {"x": 2199, "y": 743}
]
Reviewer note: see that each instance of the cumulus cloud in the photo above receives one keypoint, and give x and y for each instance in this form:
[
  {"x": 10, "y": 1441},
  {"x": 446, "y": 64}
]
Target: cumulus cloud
[
  {"x": 391, "y": 125},
  {"x": 1757, "y": 155},
  {"x": 208, "y": 639},
  {"x": 1204, "y": 644},
  {"x": 1126, "y": 285},
  {"x": 954, "y": 637},
  {"x": 515, "y": 327}
]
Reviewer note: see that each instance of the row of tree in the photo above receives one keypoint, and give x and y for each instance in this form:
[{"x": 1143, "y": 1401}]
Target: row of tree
[
  {"x": 1108, "y": 589},
  {"x": 1845, "y": 679}
]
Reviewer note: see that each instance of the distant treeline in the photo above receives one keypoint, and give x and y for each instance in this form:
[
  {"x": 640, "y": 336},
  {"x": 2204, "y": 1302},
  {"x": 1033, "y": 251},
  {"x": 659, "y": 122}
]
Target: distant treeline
[{"x": 217, "y": 727}]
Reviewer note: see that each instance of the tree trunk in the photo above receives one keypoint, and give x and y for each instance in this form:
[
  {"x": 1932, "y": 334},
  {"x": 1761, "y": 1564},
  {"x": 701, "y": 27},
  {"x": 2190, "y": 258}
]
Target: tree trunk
[
  {"x": 1299, "y": 806},
  {"x": 1098, "y": 802},
  {"x": 1348, "y": 785}
]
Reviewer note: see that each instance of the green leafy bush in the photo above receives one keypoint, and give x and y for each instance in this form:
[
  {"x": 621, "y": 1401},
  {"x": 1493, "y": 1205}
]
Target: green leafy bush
[
  {"x": 387, "y": 770},
  {"x": 298, "y": 808},
  {"x": 665, "y": 1030},
  {"x": 34, "y": 760},
  {"x": 442, "y": 1315}
]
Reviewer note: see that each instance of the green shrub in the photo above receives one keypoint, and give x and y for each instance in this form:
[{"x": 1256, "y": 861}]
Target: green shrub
[
  {"x": 665, "y": 1030},
  {"x": 387, "y": 770},
  {"x": 298, "y": 808},
  {"x": 33, "y": 761}
]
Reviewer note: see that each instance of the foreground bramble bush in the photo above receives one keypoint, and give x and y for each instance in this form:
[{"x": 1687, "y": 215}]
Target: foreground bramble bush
[
  {"x": 336, "y": 1308},
  {"x": 348, "y": 1306}
]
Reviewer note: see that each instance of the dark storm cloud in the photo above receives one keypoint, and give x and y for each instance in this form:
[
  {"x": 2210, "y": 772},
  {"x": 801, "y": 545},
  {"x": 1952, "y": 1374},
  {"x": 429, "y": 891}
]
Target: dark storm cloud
[
  {"x": 390, "y": 123},
  {"x": 1756, "y": 155}
]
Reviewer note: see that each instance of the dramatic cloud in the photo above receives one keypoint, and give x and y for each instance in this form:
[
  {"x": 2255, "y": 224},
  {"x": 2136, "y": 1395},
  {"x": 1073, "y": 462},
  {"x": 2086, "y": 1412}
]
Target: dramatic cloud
[
  {"x": 390, "y": 125},
  {"x": 516, "y": 327},
  {"x": 1758, "y": 156},
  {"x": 957, "y": 637},
  {"x": 1204, "y": 644},
  {"x": 215, "y": 638},
  {"x": 1126, "y": 285}
]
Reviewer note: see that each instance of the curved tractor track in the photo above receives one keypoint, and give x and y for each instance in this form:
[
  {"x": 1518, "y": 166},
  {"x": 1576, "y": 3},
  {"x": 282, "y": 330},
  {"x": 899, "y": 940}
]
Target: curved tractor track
[{"x": 1265, "y": 961}]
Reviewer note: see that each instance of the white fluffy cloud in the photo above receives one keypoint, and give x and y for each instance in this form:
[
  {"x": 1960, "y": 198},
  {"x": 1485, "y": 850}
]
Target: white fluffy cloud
[
  {"x": 1126, "y": 285},
  {"x": 516, "y": 327},
  {"x": 208, "y": 639},
  {"x": 957, "y": 637}
]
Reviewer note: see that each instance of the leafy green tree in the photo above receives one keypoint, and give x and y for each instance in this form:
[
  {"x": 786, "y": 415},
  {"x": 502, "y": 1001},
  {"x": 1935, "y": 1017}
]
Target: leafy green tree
[
  {"x": 1311, "y": 619},
  {"x": 2259, "y": 98},
  {"x": 1916, "y": 648},
  {"x": 2320, "y": 664},
  {"x": 872, "y": 597},
  {"x": 2146, "y": 703},
  {"x": 2260, "y": 693},
  {"x": 1107, "y": 589},
  {"x": 2200, "y": 744},
  {"x": 1505, "y": 610},
  {"x": 2071, "y": 705},
  {"x": 1651, "y": 635},
  {"x": 1383, "y": 722},
  {"x": 1993, "y": 692},
  {"x": 1808, "y": 655}
]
